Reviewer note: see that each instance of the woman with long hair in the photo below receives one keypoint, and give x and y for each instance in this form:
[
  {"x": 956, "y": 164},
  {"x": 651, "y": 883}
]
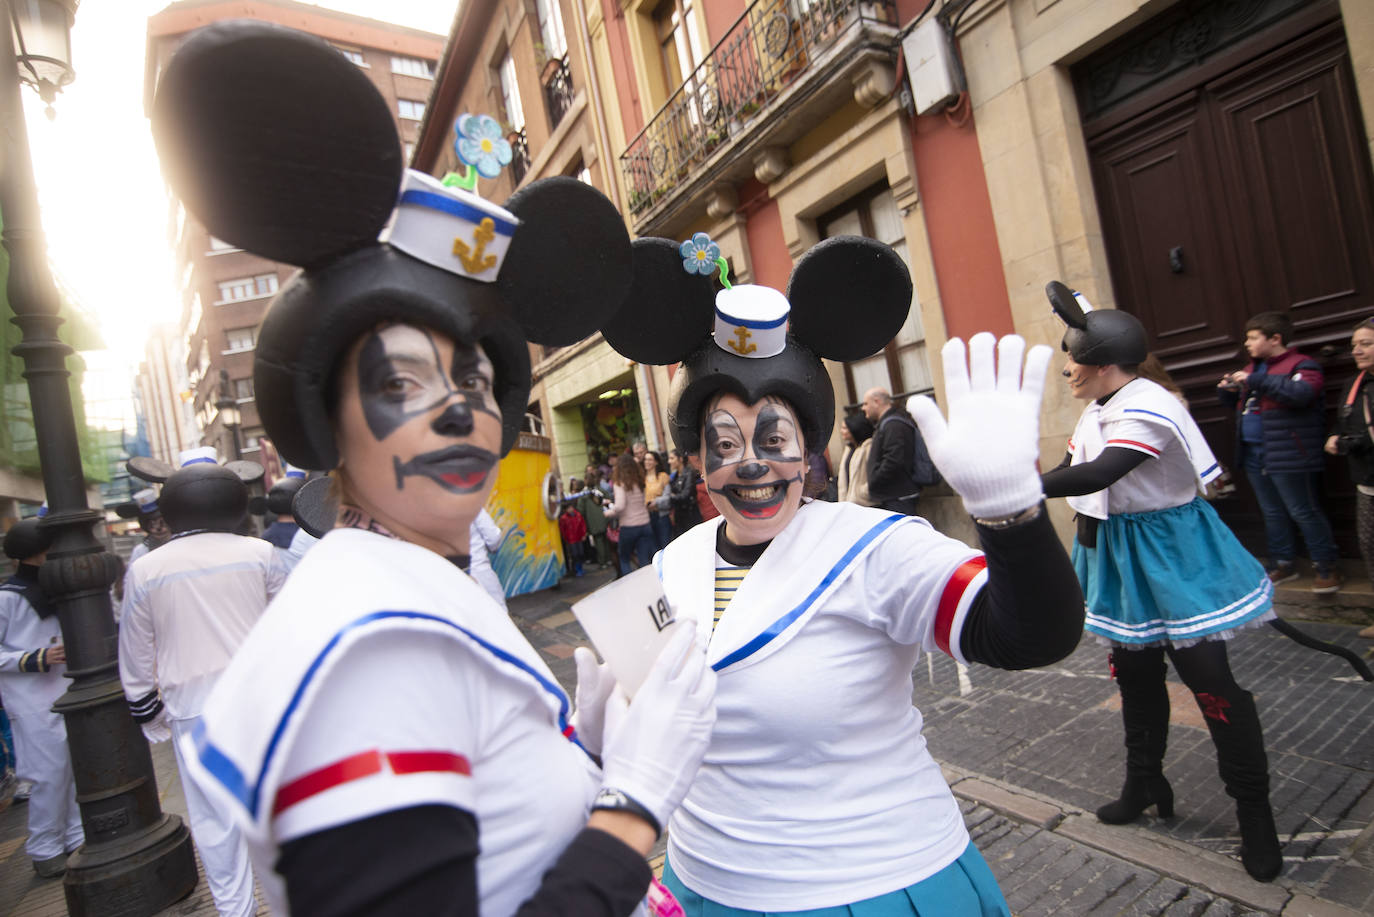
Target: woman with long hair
[
  {"x": 657, "y": 498},
  {"x": 1354, "y": 438},
  {"x": 682, "y": 484},
  {"x": 636, "y": 533},
  {"x": 857, "y": 433},
  {"x": 387, "y": 739}
]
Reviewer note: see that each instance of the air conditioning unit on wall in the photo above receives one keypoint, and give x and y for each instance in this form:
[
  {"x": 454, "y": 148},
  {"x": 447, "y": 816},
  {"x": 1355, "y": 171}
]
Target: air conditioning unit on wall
[{"x": 931, "y": 67}]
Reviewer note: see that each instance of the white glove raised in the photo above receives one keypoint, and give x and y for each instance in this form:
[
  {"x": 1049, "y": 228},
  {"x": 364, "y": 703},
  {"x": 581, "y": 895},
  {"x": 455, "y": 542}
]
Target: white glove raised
[
  {"x": 653, "y": 753},
  {"x": 594, "y": 685},
  {"x": 989, "y": 449}
]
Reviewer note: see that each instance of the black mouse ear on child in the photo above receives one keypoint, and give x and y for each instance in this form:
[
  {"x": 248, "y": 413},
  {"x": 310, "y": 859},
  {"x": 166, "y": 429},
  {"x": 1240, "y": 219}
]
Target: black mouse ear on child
[
  {"x": 667, "y": 313},
  {"x": 149, "y": 469},
  {"x": 315, "y": 507},
  {"x": 276, "y": 142},
  {"x": 247, "y": 472},
  {"x": 849, "y": 296},
  {"x": 569, "y": 260},
  {"x": 1066, "y": 305}
]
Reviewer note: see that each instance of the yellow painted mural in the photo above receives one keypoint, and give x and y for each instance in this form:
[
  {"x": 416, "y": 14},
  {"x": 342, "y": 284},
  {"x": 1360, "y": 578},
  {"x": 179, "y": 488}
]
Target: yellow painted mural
[{"x": 530, "y": 556}]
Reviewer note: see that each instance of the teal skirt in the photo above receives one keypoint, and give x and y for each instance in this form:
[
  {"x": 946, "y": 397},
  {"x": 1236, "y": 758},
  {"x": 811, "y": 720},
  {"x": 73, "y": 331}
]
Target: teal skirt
[
  {"x": 964, "y": 888},
  {"x": 1174, "y": 576}
]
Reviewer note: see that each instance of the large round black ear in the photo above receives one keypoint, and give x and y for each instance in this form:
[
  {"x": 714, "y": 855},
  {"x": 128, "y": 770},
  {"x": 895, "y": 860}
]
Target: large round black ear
[
  {"x": 568, "y": 265},
  {"x": 277, "y": 142},
  {"x": 126, "y": 510},
  {"x": 667, "y": 311},
  {"x": 1065, "y": 305},
  {"x": 149, "y": 469},
  {"x": 314, "y": 507},
  {"x": 849, "y": 297},
  {"x": 248, "y": 472}
]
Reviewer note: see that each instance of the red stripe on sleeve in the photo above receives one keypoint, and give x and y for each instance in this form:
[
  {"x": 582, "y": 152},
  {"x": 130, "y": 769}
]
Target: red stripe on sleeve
[
  {"x": 949, "y": 599},
  {"x": 1130, "y": 442},
  {"x": 366, "y": 764},
  {"x": 417, "y": 762}
]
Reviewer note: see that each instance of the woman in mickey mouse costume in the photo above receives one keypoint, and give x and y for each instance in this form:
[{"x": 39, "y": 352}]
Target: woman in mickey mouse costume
[
  {"x": 817, "y": 792},
  {"x": 387, "y": 739}
]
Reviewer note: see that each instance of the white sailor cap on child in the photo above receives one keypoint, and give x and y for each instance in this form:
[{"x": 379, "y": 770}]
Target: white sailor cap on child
[
  {"x": 451, "y": 228},
  {"x": 751, "y": 320},
  {"x": 293, "y": 472},
  {"x": 146, "y": 500},
  {"x": 198, "y": 456}
]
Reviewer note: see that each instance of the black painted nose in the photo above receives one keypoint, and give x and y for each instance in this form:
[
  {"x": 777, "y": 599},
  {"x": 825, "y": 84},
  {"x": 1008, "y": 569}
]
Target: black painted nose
[
  {"x": 752, "y": 471},
  {"x": 456, "y": 420}
]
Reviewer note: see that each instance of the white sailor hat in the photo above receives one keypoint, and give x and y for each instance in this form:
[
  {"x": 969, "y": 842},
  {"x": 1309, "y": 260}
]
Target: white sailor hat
[
  {"x": 751, "y": 321},
  {"x": 450, "y": 228},
  {"x": 200, "y": 455},
  {"x": 146, "y": 500},
  {"x": 293, "y": 472}
]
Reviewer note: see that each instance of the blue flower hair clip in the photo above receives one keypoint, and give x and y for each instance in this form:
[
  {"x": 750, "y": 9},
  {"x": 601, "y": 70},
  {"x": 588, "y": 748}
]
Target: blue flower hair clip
[
  {"x": 702, "y": 256},
  {"x": 481, "y": 147}
]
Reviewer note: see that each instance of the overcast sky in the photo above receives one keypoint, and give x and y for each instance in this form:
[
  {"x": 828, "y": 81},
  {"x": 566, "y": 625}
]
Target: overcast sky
[{"x": 102, "y": 199}]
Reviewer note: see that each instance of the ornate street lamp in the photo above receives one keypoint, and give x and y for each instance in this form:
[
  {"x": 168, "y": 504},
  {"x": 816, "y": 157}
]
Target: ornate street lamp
[
  {"x": 229, "y": 414},
  {"x": 136, "y": 860}
]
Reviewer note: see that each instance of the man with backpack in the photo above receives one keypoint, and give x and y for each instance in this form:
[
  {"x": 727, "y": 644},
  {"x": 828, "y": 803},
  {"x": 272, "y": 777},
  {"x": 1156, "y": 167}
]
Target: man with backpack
[{"x": 898, "y": 463}]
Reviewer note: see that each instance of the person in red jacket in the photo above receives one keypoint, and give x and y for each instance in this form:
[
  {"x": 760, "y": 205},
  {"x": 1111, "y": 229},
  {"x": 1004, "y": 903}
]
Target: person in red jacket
[
  {"x": 573, "y": 528},
  {"x": 1281, "y": 433}
]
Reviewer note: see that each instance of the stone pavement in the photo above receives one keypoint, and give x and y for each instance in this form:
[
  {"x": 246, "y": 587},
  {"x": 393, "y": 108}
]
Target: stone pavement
[{"x": 1030, "y": 756}]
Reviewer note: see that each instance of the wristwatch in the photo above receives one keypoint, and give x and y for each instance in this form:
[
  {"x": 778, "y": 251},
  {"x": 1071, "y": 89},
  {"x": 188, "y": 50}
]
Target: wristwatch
[{"x": 613, "y": 800}]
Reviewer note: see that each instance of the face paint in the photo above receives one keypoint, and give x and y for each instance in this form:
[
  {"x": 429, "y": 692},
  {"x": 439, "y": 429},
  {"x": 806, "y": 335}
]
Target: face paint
[
  {"x": 418, "y": 429},
  {"x": 755, "y": 465}
]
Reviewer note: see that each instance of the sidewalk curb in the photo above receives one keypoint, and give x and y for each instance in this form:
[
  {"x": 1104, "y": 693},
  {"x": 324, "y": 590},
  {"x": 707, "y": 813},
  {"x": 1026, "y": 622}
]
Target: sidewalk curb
[{"x": 1220, "y": 875}]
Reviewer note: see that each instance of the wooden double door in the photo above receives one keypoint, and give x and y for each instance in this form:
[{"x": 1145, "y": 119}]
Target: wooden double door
[{"x": 1240, "y": 188}]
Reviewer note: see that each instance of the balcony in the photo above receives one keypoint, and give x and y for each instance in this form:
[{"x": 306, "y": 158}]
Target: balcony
[
  {"x": 558, "y": 89},
  {"x": 780, "y": 69},
  {"x": 520, "y": 156}
]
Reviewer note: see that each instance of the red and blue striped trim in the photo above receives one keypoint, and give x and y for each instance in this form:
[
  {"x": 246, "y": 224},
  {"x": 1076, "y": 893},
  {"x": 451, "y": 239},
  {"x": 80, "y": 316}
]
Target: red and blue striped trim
[{"x": 949, "y": 600}]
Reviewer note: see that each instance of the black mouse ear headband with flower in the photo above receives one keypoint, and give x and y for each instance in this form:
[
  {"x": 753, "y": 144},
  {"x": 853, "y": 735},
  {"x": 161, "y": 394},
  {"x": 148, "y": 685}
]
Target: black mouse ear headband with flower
[
  {"x": 283, "y": 147},
  {"x": 847, "y": 297}
]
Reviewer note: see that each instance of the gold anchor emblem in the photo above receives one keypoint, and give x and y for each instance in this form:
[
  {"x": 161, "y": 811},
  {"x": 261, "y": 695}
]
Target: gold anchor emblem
[
  {"x": 473, "y": 260},
  {"x": 743, "y": 346}
]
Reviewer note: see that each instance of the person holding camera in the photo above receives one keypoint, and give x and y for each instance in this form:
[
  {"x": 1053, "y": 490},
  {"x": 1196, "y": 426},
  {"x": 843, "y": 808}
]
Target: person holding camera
[{"x": 1354, "y": 439}]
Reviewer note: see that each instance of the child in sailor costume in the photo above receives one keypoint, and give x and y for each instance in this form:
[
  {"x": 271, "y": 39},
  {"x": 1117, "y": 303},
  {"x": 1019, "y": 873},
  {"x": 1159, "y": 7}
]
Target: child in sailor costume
[
  {"x": 388, "y": 740},
  {"x": 187, "y": 608},
  {"x": 143, "y": 506},
  {"x": 817, "y": 790},
  {"x": 32, "y": 667},
  {"x": 1161, "y": 573}
]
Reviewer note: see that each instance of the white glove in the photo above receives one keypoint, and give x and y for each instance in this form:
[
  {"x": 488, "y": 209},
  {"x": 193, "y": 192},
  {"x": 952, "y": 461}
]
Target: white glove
[
  {"x": 652, "y": 756},
  {"x": 989, "y": 449},
  {"x": 157, "y": 729},
  {"x": 594, "y": 685}
]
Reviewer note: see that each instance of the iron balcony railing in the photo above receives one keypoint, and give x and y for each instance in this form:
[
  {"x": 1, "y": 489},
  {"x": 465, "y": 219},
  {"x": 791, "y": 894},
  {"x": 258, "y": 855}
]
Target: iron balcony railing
[
  {"x": 520, "y": 155},
  {"x": 762, "y": 54},
  {"x": 558, "y": 89}
]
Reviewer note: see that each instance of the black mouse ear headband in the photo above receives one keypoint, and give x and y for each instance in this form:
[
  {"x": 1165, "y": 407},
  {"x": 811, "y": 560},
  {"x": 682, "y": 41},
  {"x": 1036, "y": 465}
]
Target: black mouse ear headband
[
  {"x": 1097, "y": 337},
  {"x": 283, "y": 147},
  {"x": 847, "y": 297},
  {"x": 155, "y": 471}
]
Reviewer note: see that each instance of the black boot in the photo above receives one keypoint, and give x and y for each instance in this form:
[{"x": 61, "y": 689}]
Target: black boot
[
  {"x": 1145, "y": 714},
  {"x": 1244, "y": 768}
]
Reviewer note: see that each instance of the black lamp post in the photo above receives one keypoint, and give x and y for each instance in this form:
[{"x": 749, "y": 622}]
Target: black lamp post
[
  {"x": 229, "y": 414},
  {"x": 136, "y": 860}
]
